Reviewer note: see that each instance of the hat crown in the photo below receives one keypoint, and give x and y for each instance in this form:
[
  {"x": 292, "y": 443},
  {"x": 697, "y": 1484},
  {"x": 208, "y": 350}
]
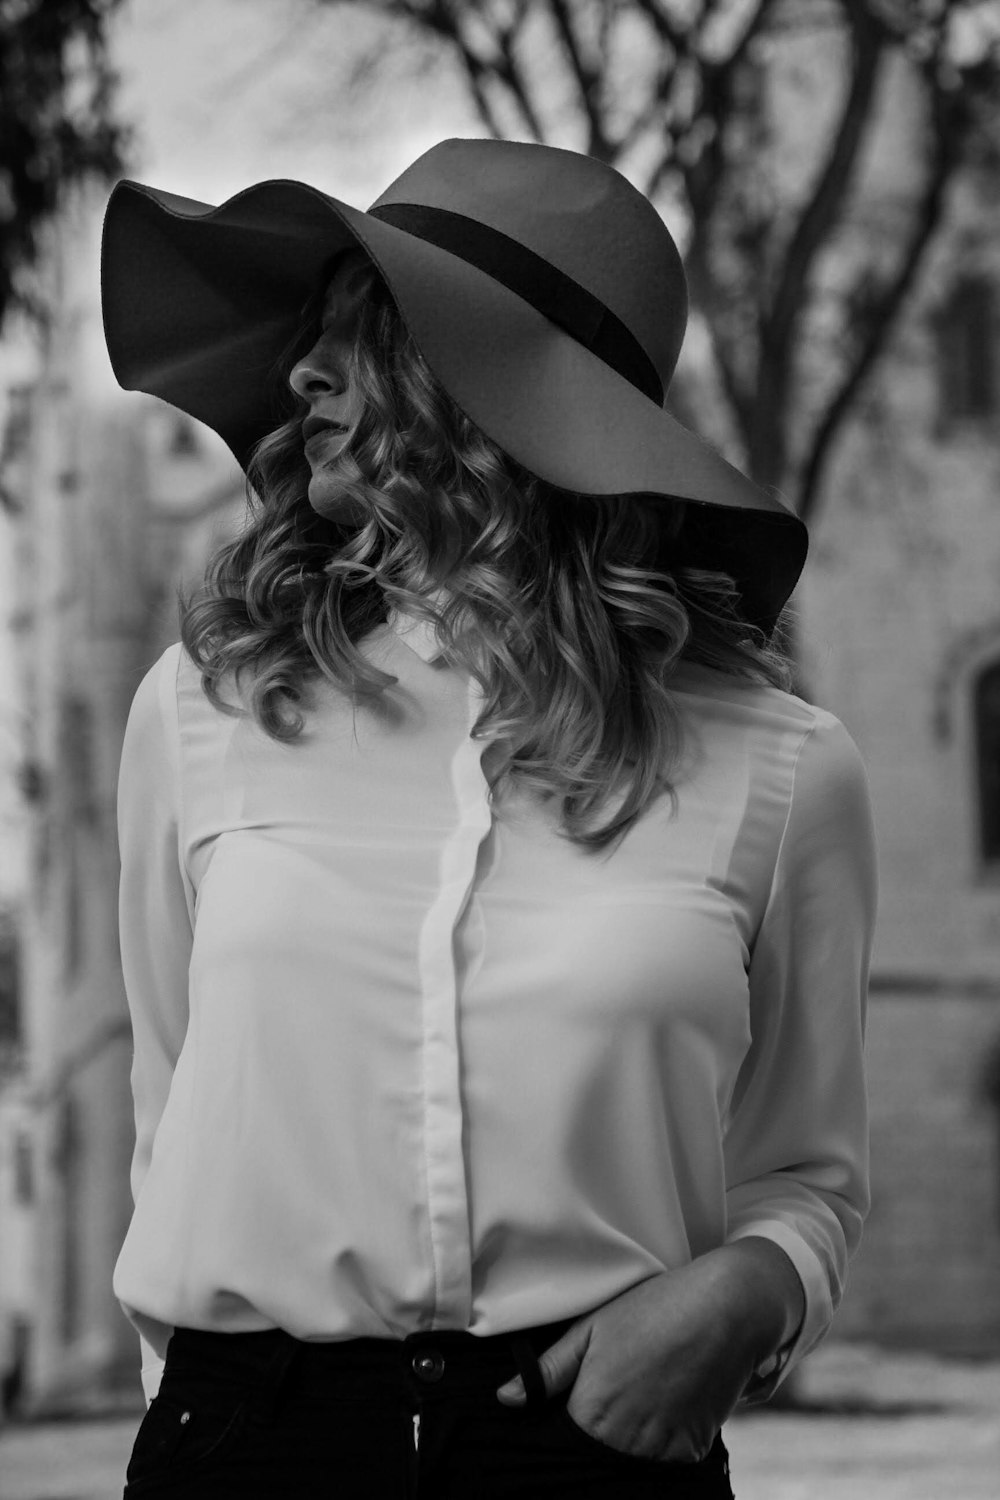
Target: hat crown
[{"x": 579, "y": 214}]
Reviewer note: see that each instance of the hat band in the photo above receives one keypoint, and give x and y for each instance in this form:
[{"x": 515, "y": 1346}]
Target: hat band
[{"x": 550, "y": 291}]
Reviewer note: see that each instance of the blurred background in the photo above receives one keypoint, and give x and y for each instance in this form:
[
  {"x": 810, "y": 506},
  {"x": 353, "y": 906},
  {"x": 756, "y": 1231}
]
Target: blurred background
[{"x": 831, "y": 172}]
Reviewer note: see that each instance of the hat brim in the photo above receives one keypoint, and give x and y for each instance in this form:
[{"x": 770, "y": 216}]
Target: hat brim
[{"x": 200, "y": 301}]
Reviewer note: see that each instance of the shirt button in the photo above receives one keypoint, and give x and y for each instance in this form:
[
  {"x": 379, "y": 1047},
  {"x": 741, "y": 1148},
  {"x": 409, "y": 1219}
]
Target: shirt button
[{"x": 428, "y": 1366}]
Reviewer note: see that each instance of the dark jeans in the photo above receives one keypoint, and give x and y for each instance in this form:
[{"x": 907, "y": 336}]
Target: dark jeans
[{"x": 244, "y": 1416}]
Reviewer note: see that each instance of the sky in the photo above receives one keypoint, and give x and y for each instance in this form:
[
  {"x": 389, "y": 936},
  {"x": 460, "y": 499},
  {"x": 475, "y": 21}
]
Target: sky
[
  {"x": 221, "y": 94},
  {"x": 229, "y": 92}
]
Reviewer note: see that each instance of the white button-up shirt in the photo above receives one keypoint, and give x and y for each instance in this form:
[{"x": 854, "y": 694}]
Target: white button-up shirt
[{"x": 403, "y": 1061}]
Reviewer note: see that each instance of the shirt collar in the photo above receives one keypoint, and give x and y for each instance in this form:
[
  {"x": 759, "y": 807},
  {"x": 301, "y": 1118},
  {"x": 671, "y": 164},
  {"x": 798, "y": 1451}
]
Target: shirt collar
[{"x": 420, "y": 635}]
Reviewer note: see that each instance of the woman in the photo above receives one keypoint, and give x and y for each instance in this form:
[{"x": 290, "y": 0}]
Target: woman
[{"x": 500, "y": 1124}]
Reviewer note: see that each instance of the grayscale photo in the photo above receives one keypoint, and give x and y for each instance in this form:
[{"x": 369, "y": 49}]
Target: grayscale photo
[{"x": 500, "y": 724}]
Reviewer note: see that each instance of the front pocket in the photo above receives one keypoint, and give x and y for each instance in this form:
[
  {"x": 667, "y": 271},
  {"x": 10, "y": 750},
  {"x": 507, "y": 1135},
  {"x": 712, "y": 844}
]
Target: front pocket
[
  {"x": 597, "y": 1445},
  {"x": 180, "y": 1433},
  {"x": 702, "y": 1478}
]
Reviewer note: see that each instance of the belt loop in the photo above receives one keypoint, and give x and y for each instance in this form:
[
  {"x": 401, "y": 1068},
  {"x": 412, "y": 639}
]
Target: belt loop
[
  {"x": 529, "y": 1370},
  {"x": 274, "y": 1375}
]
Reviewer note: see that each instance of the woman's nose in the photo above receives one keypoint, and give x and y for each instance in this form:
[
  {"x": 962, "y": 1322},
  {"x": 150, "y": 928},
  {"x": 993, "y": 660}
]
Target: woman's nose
[{"x": 317, "y": 374}]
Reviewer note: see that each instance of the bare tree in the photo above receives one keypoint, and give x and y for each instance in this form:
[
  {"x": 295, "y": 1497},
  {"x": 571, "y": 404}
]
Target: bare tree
[
  {"x": 57, "y": 123},
  {"x": 670, "y": 92}
]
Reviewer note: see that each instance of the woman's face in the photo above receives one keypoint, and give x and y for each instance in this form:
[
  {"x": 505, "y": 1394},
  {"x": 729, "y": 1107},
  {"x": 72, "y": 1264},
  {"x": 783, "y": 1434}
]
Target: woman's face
[{"x": 321, "y": 376}]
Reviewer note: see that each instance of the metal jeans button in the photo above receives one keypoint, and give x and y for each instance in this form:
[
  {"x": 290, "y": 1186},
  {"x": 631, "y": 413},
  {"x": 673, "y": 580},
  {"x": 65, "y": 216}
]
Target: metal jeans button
[{"x": 428, "y": 1366}]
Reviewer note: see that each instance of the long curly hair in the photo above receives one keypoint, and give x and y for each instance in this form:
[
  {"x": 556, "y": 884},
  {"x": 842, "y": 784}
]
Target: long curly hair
[{"x": 571, "y": 611}]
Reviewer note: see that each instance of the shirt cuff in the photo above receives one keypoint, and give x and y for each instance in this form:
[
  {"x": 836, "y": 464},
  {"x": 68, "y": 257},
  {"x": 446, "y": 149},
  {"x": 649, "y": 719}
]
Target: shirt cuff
[
  {"x": 151, "y": 1375},
  {"x": 816, "y": 1319}
]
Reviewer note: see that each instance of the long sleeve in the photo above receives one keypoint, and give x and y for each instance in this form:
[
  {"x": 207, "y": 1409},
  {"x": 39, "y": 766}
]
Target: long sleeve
[
  {"x": 155, "y": 917},
  {"x": 796, "y": 1147}
]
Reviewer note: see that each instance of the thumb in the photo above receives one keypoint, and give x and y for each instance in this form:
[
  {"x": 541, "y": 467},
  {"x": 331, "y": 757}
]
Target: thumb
[{"x": 559, "y": 1365}]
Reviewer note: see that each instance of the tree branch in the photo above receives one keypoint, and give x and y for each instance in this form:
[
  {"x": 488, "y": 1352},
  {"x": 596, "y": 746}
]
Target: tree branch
[
  {"x": 638, "y": 126},
  {"x": 703, "y": 177},
  {"x": 821, "y": 211},
  {"x": 444, "y": 18},
  {"x": 666, "y": 28},
  {"x": 778, "y": 328},
  {"x": 476, "y": 73},
  {"x": 703, "y": 180},
  {"x": 588, "y": 80},
  {"x": 511, "y": 72},
  {"x": 950, "y": 128},
  {"x": 706, "y": 298}
]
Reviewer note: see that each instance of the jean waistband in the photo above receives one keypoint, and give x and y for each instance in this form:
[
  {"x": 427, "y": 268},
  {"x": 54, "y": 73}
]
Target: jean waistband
[{"x": 430, "y": 1362}]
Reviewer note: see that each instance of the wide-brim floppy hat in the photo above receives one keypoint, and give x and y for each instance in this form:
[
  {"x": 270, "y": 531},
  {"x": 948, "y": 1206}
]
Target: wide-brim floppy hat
[{"x": 544, "y": 291}]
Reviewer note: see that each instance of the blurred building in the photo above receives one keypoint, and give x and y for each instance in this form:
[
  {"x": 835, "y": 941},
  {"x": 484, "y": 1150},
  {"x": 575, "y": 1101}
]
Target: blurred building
[
  {"x": 901, "y": 603},
  {"x": 118, "y": 498}
]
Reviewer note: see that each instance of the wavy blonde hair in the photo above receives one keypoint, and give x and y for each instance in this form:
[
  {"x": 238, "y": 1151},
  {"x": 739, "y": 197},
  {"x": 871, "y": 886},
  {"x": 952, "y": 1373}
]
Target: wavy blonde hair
[{"x": 566, "y": 608}]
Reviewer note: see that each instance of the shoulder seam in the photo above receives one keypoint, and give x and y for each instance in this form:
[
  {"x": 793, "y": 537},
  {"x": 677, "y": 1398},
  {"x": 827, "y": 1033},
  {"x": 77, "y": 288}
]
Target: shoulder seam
[
  {"x": 773, "y": 889},
  {"x": 170, "y": 710},
  {"x": 167, "y": 687}
]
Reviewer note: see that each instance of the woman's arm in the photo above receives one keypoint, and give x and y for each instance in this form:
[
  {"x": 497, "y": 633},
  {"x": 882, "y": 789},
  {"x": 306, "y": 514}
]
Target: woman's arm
[
  {"x": 776, "y": 1300},
  {"x": 155, "y": 926},
  {"x": 796, "y": 1142}
]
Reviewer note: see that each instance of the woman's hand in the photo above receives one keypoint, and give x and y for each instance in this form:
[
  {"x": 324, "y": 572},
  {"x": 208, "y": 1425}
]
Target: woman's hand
[{"x": 658, "y": 1370}]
